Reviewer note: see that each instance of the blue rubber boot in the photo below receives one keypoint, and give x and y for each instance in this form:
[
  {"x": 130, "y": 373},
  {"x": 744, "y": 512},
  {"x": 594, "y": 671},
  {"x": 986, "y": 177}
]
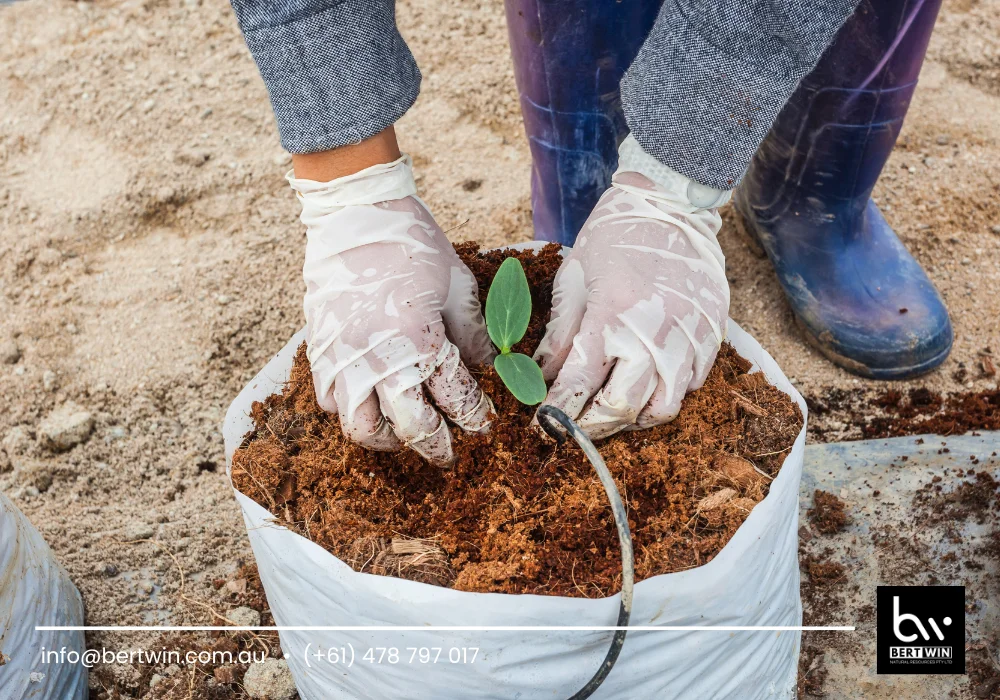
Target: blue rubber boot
[
  {"x": 569, "y": 56},
  {"x": 857, "y": 293}
]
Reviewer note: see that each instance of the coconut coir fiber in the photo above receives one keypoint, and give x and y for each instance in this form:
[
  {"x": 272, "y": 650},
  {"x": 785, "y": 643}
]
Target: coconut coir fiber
[{"x": 518, "y": 513}]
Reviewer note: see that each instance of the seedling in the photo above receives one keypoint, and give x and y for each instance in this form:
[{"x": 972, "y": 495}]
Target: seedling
[{"x": 508, "y": 310}]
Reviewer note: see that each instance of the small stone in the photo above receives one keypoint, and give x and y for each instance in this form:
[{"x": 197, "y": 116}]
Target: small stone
[
  {"x": 193, "y": 158},
  {"x": 995, "y": 229},
  {"x": 168, "y": 195},
  {"x": 48, "y": 257},
  {"x": 244, "y": 617},
  {"x": 16, "y": 441},
  {"x": 31, "y": 474},
  {"x": 148, "y": 105},
  {"x": 67, "y": 426},
  {"x": 943, "y": 140},
  {"x": 49, "y": 380},
  {"x": 282, "y": 159},
  {"x": 207, "y": 113},
  {"x": 117, "y": 432},
  {"x": 155, "y": 680},
  {"x": 146, "y": 586},
  {"x": 106, "y": 569},
  {"x": 10, "y": 353},
  {"x": 138, "y": 531},
  {"x": 222, "y": 299},
  {"x": 270, "y": 679}
]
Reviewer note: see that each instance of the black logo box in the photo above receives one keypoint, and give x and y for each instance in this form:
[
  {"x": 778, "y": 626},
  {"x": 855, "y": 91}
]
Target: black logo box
[{"x": 924, "y": 634}]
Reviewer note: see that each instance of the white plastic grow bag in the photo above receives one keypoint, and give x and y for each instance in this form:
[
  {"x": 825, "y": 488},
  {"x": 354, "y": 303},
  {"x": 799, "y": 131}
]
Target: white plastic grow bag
[
  {"x": 754, "y": 581},
  {"x": 35, "y": 590}
]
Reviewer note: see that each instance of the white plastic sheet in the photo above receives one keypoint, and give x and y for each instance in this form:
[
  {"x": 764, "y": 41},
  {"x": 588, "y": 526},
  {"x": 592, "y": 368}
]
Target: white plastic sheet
[
  {"x": 35, "y": 590},
  {"x": 753, "y": 581}
]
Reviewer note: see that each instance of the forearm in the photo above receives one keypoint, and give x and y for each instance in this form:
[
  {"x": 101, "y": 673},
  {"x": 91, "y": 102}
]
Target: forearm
[
  {"x": 337, "y": 71},
  {"x": 713, "y": 75}
]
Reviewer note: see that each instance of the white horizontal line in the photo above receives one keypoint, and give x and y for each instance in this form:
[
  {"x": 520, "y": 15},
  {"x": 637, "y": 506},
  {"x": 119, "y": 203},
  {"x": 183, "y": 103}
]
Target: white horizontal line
[{"x": 444, "y": 628}]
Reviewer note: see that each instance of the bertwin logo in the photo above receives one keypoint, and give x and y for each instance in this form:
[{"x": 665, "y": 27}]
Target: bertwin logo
[{"x": 921, "y": 629}]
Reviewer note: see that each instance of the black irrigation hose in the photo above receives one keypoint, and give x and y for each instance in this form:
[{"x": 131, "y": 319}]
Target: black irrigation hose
[{"x": 548, "y": 417}]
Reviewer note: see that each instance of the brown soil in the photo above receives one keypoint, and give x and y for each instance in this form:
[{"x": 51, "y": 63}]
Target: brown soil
[
  {"x": 822, "y": 589},
  {"x": 973, "y": 497},
  {"x": 839, "y": 415},
  {"x": 923, "y": 411},
  {"x": 518, "y": 513},
  {"x": 828, "y": 514},
  {"x": 984, "y": 678},
  {"x": 822, "y": 571}
]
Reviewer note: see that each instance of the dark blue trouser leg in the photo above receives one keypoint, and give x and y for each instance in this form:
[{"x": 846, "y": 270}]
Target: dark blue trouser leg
[
  {"x": 857, "y": 293},
  {"x": 569, "y": 56}
]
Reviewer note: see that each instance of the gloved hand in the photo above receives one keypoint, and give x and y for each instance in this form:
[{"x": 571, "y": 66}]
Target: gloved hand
[
  {"x": 640, "y": 303},
  {"x": 391, "y": 312}
]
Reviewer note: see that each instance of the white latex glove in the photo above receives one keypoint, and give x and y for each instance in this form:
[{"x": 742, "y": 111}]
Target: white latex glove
[
  {"x": 391, "y": 313},
  {"x": 640, "y": 303}
]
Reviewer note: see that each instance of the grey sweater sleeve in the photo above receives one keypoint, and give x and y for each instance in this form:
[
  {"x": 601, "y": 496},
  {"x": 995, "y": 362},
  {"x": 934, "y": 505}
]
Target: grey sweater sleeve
[
  {"x": 712, "y": 76},
  {"x": 337, "y": 71}
]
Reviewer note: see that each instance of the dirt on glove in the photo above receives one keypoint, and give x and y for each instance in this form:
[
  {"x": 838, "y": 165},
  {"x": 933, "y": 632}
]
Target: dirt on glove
[{"x": 518, "y": 513}]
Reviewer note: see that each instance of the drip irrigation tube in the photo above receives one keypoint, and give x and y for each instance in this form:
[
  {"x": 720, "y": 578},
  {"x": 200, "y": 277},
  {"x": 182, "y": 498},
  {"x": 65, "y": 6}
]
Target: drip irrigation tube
[{"x": 549, "y": 417}]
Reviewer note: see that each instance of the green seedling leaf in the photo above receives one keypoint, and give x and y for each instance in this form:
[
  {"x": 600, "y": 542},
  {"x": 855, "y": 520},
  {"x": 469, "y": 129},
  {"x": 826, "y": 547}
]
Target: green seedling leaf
[
  {"x": 508, "y": 305},
  {"x": 522, "y": 376}
]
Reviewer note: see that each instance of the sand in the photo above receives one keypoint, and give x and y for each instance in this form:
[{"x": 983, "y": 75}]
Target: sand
[{"x": 150, "y": 253}]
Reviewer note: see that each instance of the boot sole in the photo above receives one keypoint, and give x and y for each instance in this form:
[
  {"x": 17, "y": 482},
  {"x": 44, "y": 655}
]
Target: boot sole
[{"x": 864, "y": 370}]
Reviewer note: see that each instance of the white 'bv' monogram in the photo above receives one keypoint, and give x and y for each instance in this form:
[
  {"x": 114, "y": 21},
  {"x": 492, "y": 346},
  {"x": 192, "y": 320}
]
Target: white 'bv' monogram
[{"x": 897, "y": 619}]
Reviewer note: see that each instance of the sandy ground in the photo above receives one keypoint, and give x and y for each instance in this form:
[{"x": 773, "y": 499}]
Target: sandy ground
[{"x": 150, "y": 254}]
